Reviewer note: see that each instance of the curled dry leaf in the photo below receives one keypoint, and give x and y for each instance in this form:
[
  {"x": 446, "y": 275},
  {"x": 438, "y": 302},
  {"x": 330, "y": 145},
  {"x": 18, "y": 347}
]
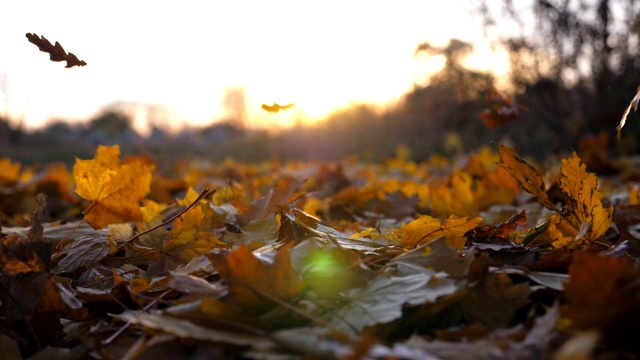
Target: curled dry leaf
[
  {"x": 56, "y": 52},
  {"x": 526, "y": 175}
]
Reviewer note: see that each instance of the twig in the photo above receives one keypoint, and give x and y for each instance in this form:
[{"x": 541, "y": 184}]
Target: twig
[{"x": 202, "y": 194}]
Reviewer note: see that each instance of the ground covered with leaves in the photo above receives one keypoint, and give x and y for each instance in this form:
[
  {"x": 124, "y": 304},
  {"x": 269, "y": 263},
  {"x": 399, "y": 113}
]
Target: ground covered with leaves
[{"x": 484, "y": 256}]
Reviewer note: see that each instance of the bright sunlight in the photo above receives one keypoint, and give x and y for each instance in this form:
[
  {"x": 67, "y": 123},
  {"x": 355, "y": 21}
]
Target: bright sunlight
[{"x": 150, "y": 55}]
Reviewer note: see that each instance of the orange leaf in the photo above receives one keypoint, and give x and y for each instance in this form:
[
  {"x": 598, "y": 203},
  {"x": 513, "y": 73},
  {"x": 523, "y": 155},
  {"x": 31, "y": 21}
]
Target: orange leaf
[
  {"x": 603, "y": 292},
  {"x": 426, "y": 229},
  {"x": 8, "y": 172},
  {"x": 584, "y": 203},
  {"x": 265, "y": 206},
  {"x": 114, "y": 188},
  {"x": 501, "y": 110},
  {"x": 526, "y": 175},
  {"x": 249, "y": 278}
]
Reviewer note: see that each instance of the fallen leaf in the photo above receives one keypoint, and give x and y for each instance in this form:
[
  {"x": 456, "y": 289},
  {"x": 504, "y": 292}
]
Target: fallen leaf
[
  {"x": 603, "y": 292},
  {"x": 114, "y": 188},
  {"x": 495, "y": 300},
  {"x": 249, "y": 278},
  {"x": 9, "y": 172},
  {"x": 584, "y": 200},
  {"x": 382, "y": 299},
  {"x": 187, "y": 330},
  {"x": 497, "y": 234},
  {"x": 84, "y": 251},
  {"x": 434, "y": 256},
  {"x": 265, "y": 206},
  {"x": 190, "y": 236},
  {"x": 425, "y": 229},
  {"x": 526, "y": 175}
]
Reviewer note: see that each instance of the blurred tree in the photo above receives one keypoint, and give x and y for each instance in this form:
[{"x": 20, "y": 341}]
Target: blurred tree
[
  {"x": 589, "y": 48},
  {"x": 469, "y": 84},
  {"x": 111, "y": 122}
]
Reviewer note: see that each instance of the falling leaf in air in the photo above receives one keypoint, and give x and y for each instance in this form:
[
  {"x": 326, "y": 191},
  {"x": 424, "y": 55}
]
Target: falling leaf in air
[
  {"x": 276, "y": 107},
  {"x": 526, "y": 175},
  {"x": 501, "y": 111},
  {"x": 632, "y": 105},
  {"x": 426, "y": 229},
  {"x": 115, "y": 188},
  {"x": 250, "y": 278},
  {"x": 56, "y": 52}
]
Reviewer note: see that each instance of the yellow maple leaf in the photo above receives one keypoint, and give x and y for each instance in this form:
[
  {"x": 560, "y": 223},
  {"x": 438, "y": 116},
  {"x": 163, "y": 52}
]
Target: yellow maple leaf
[
  {"x": 584, "y": 202},
  {"x": 189, "y": 197},
  {"x": 190, "y": 235},
  {"x": 563, "y": 233},
  {"x": 526, "y": 175},
  {"x": 426, "y": 229},
  {"x": 454, "y": 196},
  {"x": 152, "y": 216},
  {"x": 114, "y": 188}
]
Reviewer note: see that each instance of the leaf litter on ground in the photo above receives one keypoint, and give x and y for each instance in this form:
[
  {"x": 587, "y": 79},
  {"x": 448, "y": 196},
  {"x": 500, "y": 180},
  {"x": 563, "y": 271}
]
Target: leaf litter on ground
[{"x": 354, "y": 260}]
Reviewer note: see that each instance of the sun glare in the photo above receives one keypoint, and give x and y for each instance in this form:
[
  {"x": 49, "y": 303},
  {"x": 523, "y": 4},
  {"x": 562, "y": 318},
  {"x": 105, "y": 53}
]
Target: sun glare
[{"x": 320, "y": 56}]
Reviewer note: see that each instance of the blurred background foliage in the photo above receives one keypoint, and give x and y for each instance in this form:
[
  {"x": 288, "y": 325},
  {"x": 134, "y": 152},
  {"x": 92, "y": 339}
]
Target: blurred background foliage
[{"x": 574, "y": 65}]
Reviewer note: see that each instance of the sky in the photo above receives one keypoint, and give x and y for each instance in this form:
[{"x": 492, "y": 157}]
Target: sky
[{"x": 179, "y": 57}]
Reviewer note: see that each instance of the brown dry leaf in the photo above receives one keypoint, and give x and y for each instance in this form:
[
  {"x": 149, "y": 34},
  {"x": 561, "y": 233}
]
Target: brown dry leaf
[
  {"x": 584, "y": 202},
  {"x": 497, "y": 234},
  {"x": 454, "y": 196},
  {"x": 114, "y": 188},
  {"x": 18, "y": 257},
  {"x": 276, "y": 107},
  {"x": 426, "y": 229},
  {"x": 496, "y": 299},
  {"x": 501, "y": 111},
  {"x": 526, "y": 175},
  {"x": 56, "y": 52},
  {"x": 604, "y": 292},
  {"x": 265, "y": 206},
  {"x": 249, "y": 278}
]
